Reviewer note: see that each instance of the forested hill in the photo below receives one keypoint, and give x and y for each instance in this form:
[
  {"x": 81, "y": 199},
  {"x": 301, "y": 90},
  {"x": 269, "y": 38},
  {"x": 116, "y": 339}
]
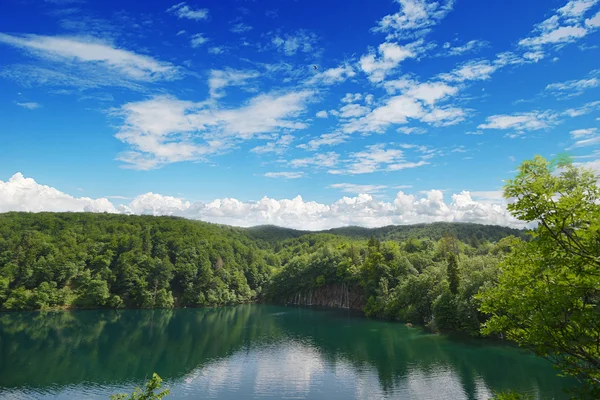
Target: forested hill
[
  {"x": 465, "y": 232},
  {"x": 88, "y": 260}
]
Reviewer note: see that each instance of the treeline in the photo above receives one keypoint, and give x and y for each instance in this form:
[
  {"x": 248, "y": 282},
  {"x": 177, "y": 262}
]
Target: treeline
[
  {"x": 86, "y": 260},
  {"x": 421, "y": 281}
]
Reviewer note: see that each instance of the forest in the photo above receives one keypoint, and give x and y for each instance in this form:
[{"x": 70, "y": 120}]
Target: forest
[
  {"x": 86, "y": 260},
  {"x": 538, "y": 288}
]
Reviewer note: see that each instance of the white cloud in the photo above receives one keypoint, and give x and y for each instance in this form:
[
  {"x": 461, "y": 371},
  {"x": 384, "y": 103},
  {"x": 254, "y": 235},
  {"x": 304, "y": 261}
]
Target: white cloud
[
  {"x": 389, "y": 56},
  {"x": 411, "y": 130},
  {"x": 326, "y": 139},
  {"x": 358, "y": 189},
  {"x": 332, "y": 76},
  {"x": 352, "y": 97},
  {"x": 593, "y": 22},
  {"x": 418, "y": 101},
  {"x": 585, "y": 109},
  {"x": 322, "y": 114},
  {"x": 376, "y": 158},
  {"x": 198, "y": 40},
  {"x": 30, "y": 105},
  {"x": 428, "y": 92},
  {"x": 353, "y": 111},
  {"x": 470, "y": 46},
  {"x": 415, "y": 18},
  {"x": 220, "y": 79},
  {"x": 471, "y": 71},
  {"x": 90, "y": 59},
  {"x": 521, "y": 122},
  {"x": 164, "y": 129},
  {"x": 285, "y": 175},
  {"x": 278, "y": 146},
  {"x": 324, "y": 160},
  {"x": 182, "y": 10},
  {"x": 578, "y": 133},
  {"x": 216, "y": 50},
  {"x": 240, "y": 28},
  {"x": 300, "y": 41},
  {"x": 585, "y": 142},
  {"x": 24, "y": 194},
  {"x": 575, "y": 87},
  {"x": 566, "y": 25}
]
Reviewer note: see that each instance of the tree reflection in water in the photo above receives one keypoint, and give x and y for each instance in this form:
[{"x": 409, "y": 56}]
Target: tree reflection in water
[{"x": 256, "y": 350}]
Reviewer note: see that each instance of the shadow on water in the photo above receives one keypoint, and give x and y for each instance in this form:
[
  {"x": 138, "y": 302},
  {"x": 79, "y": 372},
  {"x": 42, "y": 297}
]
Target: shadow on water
[{"x": 121, "y": 348}]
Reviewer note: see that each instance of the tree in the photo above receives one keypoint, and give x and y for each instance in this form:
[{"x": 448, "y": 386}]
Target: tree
[
  {"x": 452, "y": 271},
  {"x": 147, "y": 394},
  {"x": 548, "y": 295}
]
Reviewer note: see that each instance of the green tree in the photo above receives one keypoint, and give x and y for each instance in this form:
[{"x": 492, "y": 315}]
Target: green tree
[
  {"x": 548, "y": 294},
  {"x": 452, "y": 271},
  {"x": 148, "y": 393}
]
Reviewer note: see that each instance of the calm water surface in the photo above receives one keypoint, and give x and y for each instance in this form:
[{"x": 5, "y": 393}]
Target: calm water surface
[{"x": 254, "y": 351}]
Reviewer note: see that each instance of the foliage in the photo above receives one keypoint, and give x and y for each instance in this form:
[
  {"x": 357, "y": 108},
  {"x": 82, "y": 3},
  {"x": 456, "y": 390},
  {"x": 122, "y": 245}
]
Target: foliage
[
  {"x": 511, "y": 395},
  {"x": 548, "y": 294},
  {"x": 145, "y": 394},
  {"x": 452, "y": 270},
  {"x": 84, "y": 260}
]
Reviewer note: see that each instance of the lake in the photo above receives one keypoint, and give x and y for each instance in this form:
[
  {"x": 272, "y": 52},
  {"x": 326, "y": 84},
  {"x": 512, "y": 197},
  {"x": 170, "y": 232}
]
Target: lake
[{"x": 254, "y": 351}]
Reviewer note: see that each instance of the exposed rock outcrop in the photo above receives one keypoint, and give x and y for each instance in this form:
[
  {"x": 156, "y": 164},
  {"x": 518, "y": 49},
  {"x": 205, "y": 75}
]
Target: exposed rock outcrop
[{"x": 333, "y": 295}]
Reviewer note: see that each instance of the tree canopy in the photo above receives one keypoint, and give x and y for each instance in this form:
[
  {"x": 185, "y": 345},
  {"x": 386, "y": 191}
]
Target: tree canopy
[{"x": 548, "y": 291}]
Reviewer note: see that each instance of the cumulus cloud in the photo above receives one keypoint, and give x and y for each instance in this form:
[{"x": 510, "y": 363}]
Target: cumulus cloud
[
  {"x": 24, "y": 194},
  {"x": 415, "y": 18},
  {"x": 322, "y": 114},
  {"x": 378, "y": 158},
  {"x": 377, "y": 65},
  {"x": 332, "y": 76},
  {"x": 83, "y": 62},
  {"x": 182, "y": 10},
  {"x": 164, "y": 129},
  {"x": 417, "y": 101}
]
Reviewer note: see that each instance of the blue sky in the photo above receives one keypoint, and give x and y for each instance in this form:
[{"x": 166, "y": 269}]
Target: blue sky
[{"x": 373, "y": 112}]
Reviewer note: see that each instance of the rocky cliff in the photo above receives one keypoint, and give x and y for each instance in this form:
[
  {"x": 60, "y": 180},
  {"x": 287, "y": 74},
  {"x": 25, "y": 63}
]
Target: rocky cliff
[{"x": 333, "y": 295}]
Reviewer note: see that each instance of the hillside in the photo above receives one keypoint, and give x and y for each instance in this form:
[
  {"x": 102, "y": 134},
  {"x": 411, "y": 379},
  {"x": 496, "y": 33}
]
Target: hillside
[
  {"x": 463, "y": 231},
  {"x": 89, "y": 260}
]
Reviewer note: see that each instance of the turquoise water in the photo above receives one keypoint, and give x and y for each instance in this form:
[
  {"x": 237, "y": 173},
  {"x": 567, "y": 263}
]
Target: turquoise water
[{"x": 254, "y": 351}]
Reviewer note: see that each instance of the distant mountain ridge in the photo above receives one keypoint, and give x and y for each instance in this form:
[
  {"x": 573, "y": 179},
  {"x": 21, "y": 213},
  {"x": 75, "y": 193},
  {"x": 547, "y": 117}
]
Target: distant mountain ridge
[{"x": 462, "y": 230}]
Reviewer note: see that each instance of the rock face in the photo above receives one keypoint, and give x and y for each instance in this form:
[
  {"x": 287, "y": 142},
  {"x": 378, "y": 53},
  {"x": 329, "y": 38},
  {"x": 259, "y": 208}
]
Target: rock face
[{"x": 334, "y": 295}]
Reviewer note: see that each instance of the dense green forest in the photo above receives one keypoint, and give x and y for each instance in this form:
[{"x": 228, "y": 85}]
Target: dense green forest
[
  {"x": 540, "y": 289},
  {"x": 85, "y": 260}
]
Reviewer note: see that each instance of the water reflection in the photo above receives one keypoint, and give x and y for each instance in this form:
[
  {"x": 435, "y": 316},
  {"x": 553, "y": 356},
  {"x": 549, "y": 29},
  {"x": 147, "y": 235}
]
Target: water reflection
[{"x": 253, "y": 351}]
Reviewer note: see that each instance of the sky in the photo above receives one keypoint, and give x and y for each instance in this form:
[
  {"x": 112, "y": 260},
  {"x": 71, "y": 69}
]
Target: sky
[{"x": 305, "y": 114}]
